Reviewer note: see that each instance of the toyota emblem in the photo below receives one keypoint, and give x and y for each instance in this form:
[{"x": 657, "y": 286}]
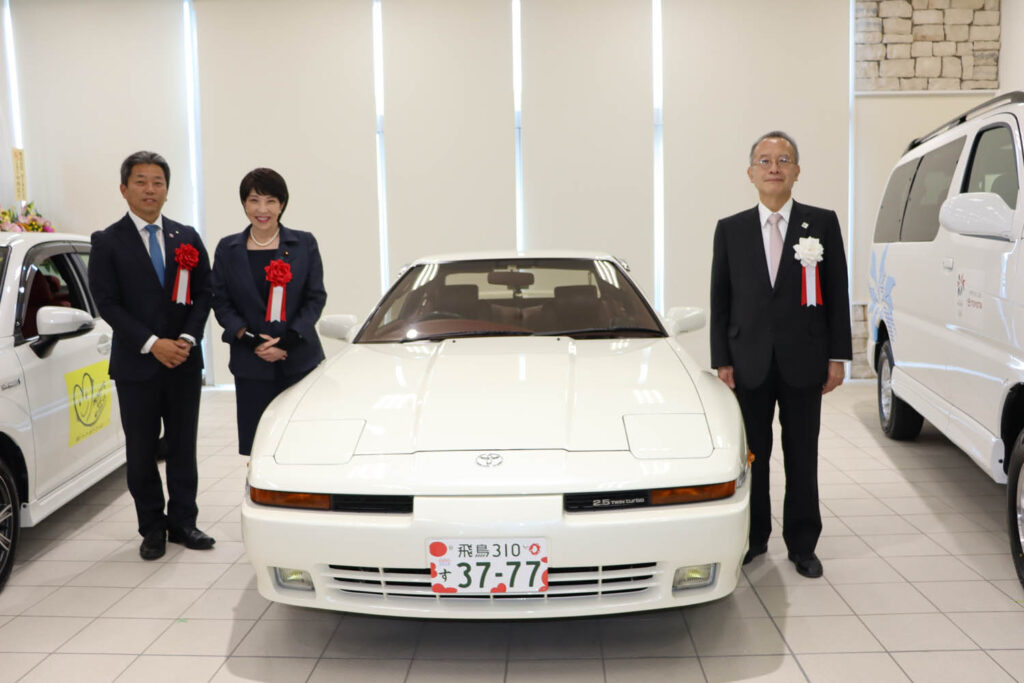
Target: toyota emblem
[{"x": 488, "y": 460}]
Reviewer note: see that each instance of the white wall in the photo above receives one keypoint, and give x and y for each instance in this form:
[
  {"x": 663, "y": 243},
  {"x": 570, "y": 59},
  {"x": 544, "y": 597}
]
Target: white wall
[
  {"x": 448, "y": 125},
  {"x": 733, "y": 71},
  {"x": 99, "y": 80},
  {"x": 588, "y": 128},
  {"x": 1011, "y": 52},
  {"x": 290, "y": 86}
]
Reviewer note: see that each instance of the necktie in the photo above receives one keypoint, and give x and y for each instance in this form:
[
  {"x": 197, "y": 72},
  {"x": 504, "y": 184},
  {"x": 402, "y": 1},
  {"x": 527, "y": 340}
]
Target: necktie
[
  {"x": 155, "y": 255},
  {"x": 774, "y": 244}
]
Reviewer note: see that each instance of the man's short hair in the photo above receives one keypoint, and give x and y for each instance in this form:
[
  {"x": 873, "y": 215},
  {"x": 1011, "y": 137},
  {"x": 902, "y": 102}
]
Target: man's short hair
[
  {"x": 267, "y": 182},
  {"x": 775, "y": 134},
  {"x": 134, "y": 160}
]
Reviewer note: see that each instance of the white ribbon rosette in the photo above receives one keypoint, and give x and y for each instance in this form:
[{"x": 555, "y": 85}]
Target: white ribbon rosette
[{"x": 810, "y": 253}]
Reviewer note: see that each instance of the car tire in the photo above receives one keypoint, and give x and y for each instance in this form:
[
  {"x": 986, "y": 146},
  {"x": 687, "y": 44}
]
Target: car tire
[
  {"x": 1015, "y": 500},
  {"x": 10, "y": 522},
  {"x": 899, "y": 421}
]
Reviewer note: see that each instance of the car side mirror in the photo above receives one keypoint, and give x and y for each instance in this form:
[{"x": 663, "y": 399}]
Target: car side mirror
[
  {"x": 685, "y": 319},
  {"x": 980, "y": 214},
  {"x": 338, "y": 325},
  {"x": 58, "y": 322}
]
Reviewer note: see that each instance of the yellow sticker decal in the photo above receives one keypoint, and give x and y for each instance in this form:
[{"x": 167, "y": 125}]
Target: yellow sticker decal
[{"x": 89, "y": 397}]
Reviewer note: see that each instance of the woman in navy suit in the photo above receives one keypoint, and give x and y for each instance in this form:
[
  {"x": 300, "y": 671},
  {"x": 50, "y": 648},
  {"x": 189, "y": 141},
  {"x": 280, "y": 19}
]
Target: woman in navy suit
[{"x": 268, "y": 293}]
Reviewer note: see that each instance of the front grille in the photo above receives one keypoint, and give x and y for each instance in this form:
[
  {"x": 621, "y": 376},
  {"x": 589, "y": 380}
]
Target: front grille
[
  {"x": 341, "y": 502},
  {"x": 563, "y": 582}
]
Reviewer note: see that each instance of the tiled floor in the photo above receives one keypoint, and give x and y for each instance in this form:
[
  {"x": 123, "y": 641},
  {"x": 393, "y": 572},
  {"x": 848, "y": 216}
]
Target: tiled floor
[{"x": 918, "y": 586}]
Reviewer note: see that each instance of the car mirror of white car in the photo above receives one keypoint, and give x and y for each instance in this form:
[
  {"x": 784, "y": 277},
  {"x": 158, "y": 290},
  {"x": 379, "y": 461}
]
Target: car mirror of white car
[
  {"x": 685, "y": 319},
  {"x": 338, "y": 325},
  {"x": 58, "y": 322},
  {"x": 981, "y": 214}
]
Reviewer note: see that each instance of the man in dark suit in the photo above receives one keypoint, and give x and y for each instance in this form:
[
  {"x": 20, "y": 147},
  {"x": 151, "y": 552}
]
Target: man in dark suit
[
  {"x": 780, "y": 331},
  {"x": 135, "y": 269}
]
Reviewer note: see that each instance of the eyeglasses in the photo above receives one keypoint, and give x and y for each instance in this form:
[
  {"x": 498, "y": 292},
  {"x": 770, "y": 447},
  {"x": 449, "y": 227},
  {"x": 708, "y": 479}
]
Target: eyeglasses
[{"x": 766, "y": 163}]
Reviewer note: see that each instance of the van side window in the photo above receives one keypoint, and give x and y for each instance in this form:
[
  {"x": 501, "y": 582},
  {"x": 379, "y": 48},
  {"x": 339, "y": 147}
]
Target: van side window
[
  {"x": 890, "y": 214},
  {"x": 993, "y": 166},
  {"x": 930, "y": 189}
]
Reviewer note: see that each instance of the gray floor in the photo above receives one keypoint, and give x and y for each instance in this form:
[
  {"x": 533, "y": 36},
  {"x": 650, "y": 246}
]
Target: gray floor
[{"x": 918, "y": 586}]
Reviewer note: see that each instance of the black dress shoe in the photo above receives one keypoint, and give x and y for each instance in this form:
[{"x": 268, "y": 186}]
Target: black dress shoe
[
  {"x": 191, "y": 538},
  {"x": 807, "y": 565},
  {"x": 154, "y": 545},
  {"x": 754, "y": 551}
]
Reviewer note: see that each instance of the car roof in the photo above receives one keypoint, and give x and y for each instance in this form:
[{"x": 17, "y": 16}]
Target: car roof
[
  {"x": 513, "y": 254},
  {"x": 10, "y": 239}
]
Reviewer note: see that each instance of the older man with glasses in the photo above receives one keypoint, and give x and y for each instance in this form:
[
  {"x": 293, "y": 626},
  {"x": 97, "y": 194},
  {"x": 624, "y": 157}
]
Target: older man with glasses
[{"x": 780, "y": 331}]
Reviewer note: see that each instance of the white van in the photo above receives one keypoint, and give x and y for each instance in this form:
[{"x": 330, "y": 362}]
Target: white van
[{"x": 947, "y": 294}]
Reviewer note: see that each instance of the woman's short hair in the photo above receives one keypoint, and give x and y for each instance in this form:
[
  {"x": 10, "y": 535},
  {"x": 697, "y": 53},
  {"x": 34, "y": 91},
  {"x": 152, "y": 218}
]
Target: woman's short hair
[{"x": 267, "y": 182}]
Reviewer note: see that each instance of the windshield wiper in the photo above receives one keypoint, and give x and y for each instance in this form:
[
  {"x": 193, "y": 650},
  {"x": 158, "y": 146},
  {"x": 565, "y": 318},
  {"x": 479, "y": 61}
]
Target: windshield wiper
[
  {"x": 469, "y": 333},
  {"x": 612, "y": 332}
]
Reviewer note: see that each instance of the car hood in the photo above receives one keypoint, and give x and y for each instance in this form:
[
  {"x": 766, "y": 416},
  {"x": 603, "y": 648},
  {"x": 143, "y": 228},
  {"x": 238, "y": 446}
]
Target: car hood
[{"x": 522, "y": 393}]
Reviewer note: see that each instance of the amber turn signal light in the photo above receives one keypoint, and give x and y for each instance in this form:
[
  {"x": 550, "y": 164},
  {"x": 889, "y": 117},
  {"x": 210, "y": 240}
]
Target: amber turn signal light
[
  {"x": 692, "y": 494},
  {"x": 290, "y": 499}
]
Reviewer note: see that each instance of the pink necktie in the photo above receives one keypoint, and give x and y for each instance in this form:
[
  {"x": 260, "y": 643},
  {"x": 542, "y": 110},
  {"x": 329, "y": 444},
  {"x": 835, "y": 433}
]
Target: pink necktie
[{"x": 774, "y": 244}]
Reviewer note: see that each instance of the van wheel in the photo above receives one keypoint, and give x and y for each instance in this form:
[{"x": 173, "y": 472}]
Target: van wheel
[
  {"x": 1015, "y": 498},
  {"x": 899, "y": 420},
  {"x": 9, "y": 522}
]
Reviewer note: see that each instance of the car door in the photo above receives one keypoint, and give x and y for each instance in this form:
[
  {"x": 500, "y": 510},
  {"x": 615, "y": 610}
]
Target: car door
[
  {"x": 915, "y": 263},
  {"x": 980, "y": 346},
  {"x": 76, "y": 422}
]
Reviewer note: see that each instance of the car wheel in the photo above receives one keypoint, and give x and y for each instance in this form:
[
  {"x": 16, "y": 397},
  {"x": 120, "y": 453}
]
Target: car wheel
[
  {"x": 9, "y": 522},
  {"x": 1015, "y": 499},
  {"x": 899, "y": 420}
]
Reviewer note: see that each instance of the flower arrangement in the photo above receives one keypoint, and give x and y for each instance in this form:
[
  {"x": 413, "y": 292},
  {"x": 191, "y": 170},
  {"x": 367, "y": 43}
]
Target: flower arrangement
[{"x": 27, "y": 220}]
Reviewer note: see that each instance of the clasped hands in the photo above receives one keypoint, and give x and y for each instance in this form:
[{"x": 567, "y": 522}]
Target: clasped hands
[
  {"x": 268, "y": 350},
  {"x": 171, "y": 352}
]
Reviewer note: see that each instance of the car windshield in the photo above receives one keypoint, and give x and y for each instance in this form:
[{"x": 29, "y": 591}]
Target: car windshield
[{"x": 580, "y": 298}]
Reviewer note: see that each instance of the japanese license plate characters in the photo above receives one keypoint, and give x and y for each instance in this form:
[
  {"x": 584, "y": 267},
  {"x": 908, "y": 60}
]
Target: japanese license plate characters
[{"x": 479, "y": 566}]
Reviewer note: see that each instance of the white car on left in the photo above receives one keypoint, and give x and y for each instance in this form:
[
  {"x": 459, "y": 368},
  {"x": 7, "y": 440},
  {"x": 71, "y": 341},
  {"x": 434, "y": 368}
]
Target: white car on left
[{"x": 60, "y": 427}]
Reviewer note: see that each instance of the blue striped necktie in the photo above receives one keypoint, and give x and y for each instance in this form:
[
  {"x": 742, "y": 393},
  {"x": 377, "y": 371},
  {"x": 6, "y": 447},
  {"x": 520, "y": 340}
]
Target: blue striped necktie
[{"x": 155, "y": 255}]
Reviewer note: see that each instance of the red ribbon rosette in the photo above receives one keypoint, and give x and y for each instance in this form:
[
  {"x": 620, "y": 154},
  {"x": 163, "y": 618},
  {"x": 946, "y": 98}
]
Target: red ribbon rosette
[
  {"x": 187, "y": 258},
  {"x": 279, "y": 274}
]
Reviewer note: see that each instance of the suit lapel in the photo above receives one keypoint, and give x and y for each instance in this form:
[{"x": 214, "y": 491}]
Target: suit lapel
[
  {"x": 757, "y": 251},
  {"x": 240, "y": 265},
  {"x": 794, "y": 232},
  {"x": 172, "y": 240}
]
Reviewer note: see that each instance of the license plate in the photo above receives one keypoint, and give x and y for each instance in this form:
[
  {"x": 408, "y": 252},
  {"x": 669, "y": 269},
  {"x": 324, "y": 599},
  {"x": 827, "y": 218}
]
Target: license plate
[{"x": 480, "y": 566}]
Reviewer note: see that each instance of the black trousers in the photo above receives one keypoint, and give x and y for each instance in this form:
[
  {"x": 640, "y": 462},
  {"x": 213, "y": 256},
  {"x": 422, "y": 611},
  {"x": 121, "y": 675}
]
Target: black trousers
[
  {"x": 252, "y": 396},
  {"x": 173, "y": 398},
  {"x": 800, "y": 418}
]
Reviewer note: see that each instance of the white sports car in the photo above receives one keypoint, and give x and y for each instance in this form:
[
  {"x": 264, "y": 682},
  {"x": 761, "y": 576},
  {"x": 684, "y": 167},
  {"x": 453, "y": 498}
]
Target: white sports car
[{"x": 506, "y": 436}]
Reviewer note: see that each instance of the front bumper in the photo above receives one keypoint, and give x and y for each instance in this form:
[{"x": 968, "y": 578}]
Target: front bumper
[{"x": 602, "y": 562}]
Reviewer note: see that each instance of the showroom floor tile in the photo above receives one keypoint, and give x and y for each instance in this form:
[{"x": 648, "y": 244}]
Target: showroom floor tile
[{"x": 918, "y": 586}]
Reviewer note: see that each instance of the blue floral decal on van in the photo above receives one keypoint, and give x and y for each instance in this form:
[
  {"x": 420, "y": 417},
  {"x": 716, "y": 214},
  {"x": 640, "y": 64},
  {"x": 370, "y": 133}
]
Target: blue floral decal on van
[{"x": 881, "y": 297}]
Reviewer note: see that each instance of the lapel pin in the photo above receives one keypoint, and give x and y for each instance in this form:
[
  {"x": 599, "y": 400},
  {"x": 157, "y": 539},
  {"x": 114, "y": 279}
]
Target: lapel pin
[{"x": 804, "y": 225}]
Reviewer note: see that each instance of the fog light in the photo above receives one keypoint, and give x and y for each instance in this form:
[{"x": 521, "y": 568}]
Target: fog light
[
  {"x": 295, "y": 579},
  {"x": 694, "y": 576}
]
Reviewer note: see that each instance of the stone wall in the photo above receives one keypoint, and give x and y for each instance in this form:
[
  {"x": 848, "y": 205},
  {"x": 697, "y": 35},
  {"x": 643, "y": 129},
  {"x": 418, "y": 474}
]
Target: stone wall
[
  {"x": 860, "y": 368},
  {"x": 910, "y": 45}
]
